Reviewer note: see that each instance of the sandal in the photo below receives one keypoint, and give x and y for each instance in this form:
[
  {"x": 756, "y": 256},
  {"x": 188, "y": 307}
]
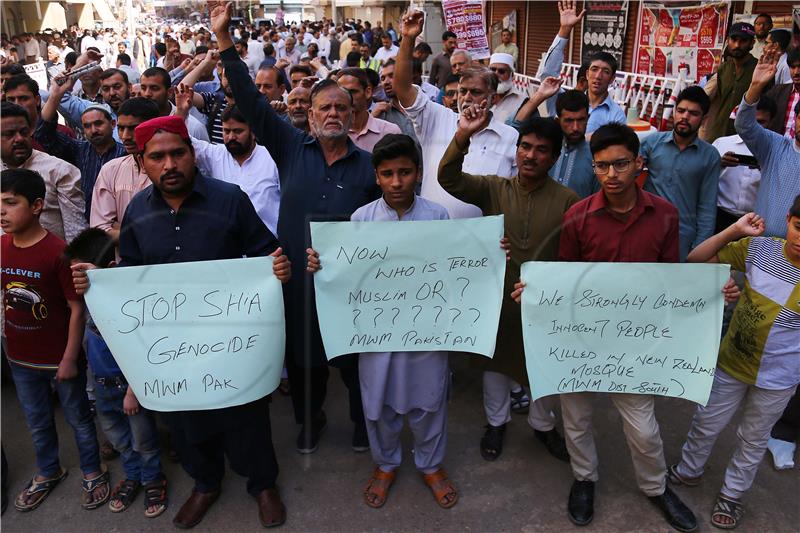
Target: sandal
[
  {"x": 492, "y": 442},
  {"x": 89, "y": 487},
  {"x": 520, "y": 402},
  {"x": 43, "y": 488},
  {"x": 676, "y": 479},
  {"x": 155, "y": 495},
  {"x": 123, "y": 495},
  {"x": 443, "y": 490},
  {"x": 377, "y": 489},
  {"x": 726, "y": 508}
]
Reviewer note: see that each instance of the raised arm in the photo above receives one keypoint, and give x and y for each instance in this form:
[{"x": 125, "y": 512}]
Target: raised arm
[
  {"x": 205, "y": 68},
  {"x": 271, "y": 131},
  {"x": 749, "y": 225},
  {"x": 568, "y": 18},
  {"x": 47, "y": 134},
  {"x": 757, "y": 138},
  {"x": 412, "y": 28},
  {"x": 466, "y": 187},
  {"x": 549, "y": 87}
]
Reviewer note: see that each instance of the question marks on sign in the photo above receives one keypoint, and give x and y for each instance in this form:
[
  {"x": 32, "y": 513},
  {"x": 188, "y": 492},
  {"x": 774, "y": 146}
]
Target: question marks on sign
[
  {"x": 465, "y": 286},
  {"x": 419, "y": 310},
  {"x": 478, "y": 314}
]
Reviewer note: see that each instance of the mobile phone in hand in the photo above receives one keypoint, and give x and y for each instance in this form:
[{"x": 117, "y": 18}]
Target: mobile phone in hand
[{"x": 747, "y": 160}]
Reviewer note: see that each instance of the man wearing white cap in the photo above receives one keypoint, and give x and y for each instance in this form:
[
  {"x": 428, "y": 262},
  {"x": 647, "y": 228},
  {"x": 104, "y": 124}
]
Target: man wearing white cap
[{"x": 508, "y": 99}]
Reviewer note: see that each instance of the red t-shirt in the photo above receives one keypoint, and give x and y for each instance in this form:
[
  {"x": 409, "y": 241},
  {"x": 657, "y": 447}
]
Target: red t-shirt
[{"x": 36, "y": 282}]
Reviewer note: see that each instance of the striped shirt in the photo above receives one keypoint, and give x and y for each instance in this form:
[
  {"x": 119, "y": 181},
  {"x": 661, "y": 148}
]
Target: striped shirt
[
  {"x": 780, "y": 167},
  {"x": 761, "y": 346}
]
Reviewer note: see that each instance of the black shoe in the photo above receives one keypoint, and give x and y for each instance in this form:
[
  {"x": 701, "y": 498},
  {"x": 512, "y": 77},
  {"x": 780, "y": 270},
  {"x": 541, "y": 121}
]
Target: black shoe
[
  {"x": 675, "y": 511},
  {"x": 492, "y": 442},
  {"x": 308, "y": 439},
  {"x": 360, "y": 438},
  {"x": 580, "y": 507},
  {"x": 554, "y": 443}
]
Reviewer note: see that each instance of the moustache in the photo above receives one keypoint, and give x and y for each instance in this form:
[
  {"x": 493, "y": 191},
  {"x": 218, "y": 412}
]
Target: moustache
[{"x": 171, "y": 175}]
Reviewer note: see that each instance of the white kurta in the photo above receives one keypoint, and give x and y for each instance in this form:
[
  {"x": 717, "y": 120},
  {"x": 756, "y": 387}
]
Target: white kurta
[
  {"x": 405, "y": 383},
  {"x": 492, "y": 151}
]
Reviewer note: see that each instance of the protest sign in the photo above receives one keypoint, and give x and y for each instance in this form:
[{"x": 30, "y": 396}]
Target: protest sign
[
  {"x": 409, "y": 286},
  {"x": 604, "y": 29},
  {"x": 465, "y": 19},
  {"x": 688, "y": 37},
  {"x": 643, "y": 328},
  {"x": 193, "y": 336}
]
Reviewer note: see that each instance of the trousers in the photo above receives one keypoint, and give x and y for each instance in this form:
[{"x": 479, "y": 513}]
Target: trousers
[
  {"x": 430, "y": 438},
  {"x": 248, "y": 448},
  {"x": 641, "y": 432},
  {"x": 762, "y": 408},
  {"x": 497, "y": 403}
]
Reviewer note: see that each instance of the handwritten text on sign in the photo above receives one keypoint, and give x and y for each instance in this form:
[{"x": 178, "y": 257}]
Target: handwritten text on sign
[
  {"x": 409, "y": 286},
  {"x": 192, "y": 336},
  {"x": 641, "y": 328}
]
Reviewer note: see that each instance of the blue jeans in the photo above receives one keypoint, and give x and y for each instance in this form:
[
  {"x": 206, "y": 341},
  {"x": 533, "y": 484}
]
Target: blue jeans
[
  {"x": 134, "y": 437},
  {"x": 33, "y": 391}
]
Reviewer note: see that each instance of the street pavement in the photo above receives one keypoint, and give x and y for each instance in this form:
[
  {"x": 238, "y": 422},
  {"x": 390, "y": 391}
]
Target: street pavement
[{"x": 525, "y": 490}]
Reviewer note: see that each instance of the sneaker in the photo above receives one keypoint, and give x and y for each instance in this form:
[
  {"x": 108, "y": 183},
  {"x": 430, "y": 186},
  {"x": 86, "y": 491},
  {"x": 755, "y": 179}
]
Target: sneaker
[
  {"x": 360, "y": 438},
  {"x": 520, "y": 402},
  {"x": 308, "y": 439},
  {"x": 782, "y": 453}
]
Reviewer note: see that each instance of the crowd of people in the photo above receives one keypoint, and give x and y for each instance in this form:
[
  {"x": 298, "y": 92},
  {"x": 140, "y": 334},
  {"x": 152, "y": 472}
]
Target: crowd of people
[{"x": 192, "y": 144}]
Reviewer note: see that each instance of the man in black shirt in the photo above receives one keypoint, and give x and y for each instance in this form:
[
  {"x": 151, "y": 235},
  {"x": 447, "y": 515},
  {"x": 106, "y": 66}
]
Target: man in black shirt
[{"x": 184, "y": 217}]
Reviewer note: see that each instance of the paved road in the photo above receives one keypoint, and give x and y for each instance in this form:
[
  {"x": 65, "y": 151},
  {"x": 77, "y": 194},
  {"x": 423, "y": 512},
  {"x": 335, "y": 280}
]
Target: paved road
[{"x": 525, "y": 490}]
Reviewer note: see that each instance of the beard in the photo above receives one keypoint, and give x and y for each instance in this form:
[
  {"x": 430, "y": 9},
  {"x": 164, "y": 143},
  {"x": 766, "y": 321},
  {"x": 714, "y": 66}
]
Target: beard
[
  {"x": 236, "y": 148},
  {"x": 505, "y": 87},
  {"x": 299, "y": 121},
  {"x": 321, "y": 133},
  {"x": 686, "y": 131}
]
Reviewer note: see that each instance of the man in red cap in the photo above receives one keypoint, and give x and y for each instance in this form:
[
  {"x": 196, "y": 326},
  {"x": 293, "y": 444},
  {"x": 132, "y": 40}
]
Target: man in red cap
[{"x": 183, "y": 217}]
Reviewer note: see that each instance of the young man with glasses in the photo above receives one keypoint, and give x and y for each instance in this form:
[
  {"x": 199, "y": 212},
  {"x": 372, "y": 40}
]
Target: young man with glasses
[{"x": 620, "y": 223}]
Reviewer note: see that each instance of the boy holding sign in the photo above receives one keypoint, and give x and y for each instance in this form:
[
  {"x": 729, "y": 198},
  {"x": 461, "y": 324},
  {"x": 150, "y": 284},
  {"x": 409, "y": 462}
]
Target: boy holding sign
[
  {"x": 758, "y": 361},
  {"x": 394, "y": 384}
]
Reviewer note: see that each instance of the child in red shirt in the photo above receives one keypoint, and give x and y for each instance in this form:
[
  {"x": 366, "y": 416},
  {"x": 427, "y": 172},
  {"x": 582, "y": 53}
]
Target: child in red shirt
[{"x": 43, "y": 323}]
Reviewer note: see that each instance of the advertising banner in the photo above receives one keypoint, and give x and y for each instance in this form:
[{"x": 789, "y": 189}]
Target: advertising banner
[
  {"x": 675, "y": 38},
  {"x": 465, "y": 19},
  {"x": 604, "y": 29}
]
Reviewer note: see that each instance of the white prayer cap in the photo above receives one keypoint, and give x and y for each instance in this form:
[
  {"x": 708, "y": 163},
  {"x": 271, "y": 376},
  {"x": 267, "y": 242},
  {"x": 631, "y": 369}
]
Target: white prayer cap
[{"x": 505, "y": 59}]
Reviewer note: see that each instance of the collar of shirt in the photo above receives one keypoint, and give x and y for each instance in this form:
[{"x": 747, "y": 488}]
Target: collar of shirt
[
  {"x": 670, "y": 138},
  {"x": 605, "y": 103},
  {"x": 351, "y": 146},
  {"x": 370, "y": 126},
  {"x": 599, "y": 202},
  {"x": 492, "y": 126},
  {"x": 391, "y": 211}
]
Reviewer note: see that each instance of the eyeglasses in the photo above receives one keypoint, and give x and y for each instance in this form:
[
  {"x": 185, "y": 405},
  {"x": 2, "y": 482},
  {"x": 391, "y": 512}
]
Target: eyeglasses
[
  {"x": 500, "y": 71},
  {"x": 620, "y": 165},
  {"x": 450, "y": 93}
]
